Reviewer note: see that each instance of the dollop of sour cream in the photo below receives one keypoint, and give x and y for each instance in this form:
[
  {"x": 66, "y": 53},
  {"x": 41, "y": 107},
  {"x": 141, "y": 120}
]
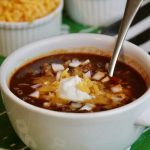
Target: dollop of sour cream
[{"x": 68, "y": 90}]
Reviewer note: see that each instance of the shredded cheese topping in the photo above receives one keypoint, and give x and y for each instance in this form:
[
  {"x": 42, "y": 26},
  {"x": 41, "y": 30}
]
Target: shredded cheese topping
[{"x": 26, "y": 10}]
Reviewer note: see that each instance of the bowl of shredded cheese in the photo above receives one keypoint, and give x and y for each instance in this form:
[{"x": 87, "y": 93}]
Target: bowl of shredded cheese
[{"x": 26, "y": 21}]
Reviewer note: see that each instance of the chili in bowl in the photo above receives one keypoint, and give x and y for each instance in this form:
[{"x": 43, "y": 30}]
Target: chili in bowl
[{"x": 58, "y": 94}]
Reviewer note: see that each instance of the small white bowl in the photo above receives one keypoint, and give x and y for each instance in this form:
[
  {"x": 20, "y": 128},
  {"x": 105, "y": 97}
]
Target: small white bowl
[
  {"x": 95, "y": 12},
  {"x": 15, "y": 35}
]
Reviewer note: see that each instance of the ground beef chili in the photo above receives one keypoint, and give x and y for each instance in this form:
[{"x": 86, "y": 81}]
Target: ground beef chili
[{"x": 38, "y": 82}]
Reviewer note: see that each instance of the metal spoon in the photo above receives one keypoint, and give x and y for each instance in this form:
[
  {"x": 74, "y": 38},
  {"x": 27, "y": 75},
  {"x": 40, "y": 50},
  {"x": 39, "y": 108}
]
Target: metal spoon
[{"x": 131, "y": 9}]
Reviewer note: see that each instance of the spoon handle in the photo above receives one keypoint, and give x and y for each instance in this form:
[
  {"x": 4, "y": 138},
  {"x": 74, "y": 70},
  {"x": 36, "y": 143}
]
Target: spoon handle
[{"x": 131, "y": 9}]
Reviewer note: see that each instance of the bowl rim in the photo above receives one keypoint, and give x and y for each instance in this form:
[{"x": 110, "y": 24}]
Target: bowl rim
[
  {"x": 32, "y": 108},
  {"x": 36, "y": 22}
]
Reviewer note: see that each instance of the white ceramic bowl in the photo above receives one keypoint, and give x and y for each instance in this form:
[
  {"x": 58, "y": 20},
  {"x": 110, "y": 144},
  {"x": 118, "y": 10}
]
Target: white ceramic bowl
[
  {"x": 42, "y": 129},
  {"x": 15, "y": 35},
  {"x": 95, "y": 12}
]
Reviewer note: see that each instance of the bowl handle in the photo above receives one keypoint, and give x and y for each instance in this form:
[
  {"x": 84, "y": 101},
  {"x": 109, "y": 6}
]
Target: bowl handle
[{"x": 144, "y": 119}]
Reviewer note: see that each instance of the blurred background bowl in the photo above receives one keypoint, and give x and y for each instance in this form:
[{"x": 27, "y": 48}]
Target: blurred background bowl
[
  {"x": 95, "y": 12},
  {"x": 15, "y": 35}
]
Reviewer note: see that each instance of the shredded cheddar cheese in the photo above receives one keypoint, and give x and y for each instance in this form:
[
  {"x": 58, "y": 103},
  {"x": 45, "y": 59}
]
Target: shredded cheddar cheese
[
  {"x": 48, "y": 84},
  {"x": 49, "y": 87},
  {"x": 65, "y": 74},
  {"x": 26, "y": 10},
  {"x": 89, "y": 86}
]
